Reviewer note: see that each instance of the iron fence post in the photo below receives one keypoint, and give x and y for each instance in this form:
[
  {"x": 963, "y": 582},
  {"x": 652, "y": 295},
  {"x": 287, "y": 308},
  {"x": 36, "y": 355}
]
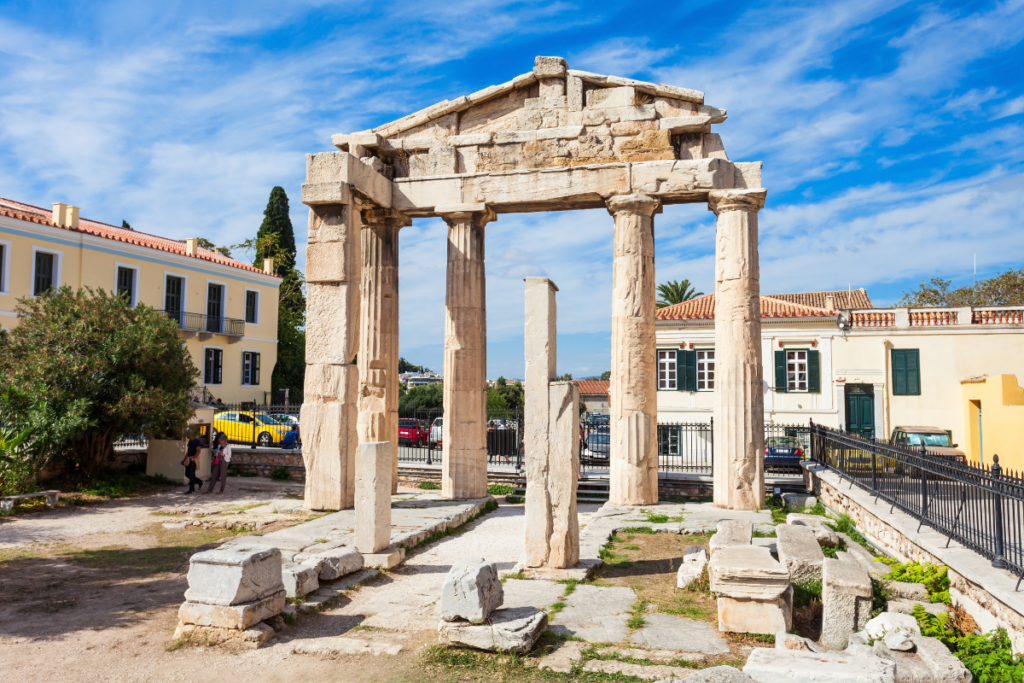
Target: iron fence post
[
  {"x": 997, "y": 471},
  {"x": 874, "y": 481},
  {"x": 924, "y": 489},
  {"x": 712, "y": 430}
]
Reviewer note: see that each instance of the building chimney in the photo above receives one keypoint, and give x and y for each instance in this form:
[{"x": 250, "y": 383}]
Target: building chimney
[
  {"x": 268, "y": 266},
  {"x": 830, "y": 303},
  {"x": 60, "y": 213},
  {"x": 72, "y": 221},
  {"x": 192, "y": 246}
]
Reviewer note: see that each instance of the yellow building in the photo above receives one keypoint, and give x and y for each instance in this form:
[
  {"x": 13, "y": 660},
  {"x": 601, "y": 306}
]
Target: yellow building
[
  {"x": 226, "y": 309},
  {"x": 994, "y": 412},
  {"x": 833, "y": 358}
]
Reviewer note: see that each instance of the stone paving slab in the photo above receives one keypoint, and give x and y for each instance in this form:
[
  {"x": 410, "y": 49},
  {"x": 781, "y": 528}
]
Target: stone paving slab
[
  {"x": 531, "y": 593},
  {"x": 667, "y": 632},
  {"x": 595, "y": 614},
  {"x": 656, "y": 672},
  {"x": 346, "y": 645}
]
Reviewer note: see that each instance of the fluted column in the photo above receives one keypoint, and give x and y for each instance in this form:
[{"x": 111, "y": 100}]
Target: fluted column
[
  {"x": 739, "y": 389},
  {"x": 634, "y": 385},
  {"x": 464, "y": 455},
  {"x": 378, "y": 331}
]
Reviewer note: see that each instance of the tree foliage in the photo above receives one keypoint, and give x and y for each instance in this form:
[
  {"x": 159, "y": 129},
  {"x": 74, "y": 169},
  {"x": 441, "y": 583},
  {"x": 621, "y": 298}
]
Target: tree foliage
[
  {"x": 674, "y": 292},
  {"x": 1005, "y": 289},
  {"x": 406, "y": 366},
  {"x": 207, "y": 244},
  {"x": 606, "y": 375},
  {"x": 277, "y": 222},
  {"x": 422, "y": 397},
  {"x": 84, "y": 368}
]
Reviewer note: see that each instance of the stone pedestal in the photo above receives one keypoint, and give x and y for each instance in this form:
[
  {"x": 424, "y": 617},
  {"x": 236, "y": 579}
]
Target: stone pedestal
[
  {"x": 233, "y": 588},
  {"x": 739, "y": 390},
  {"x": 373, "y": 497},
  {"x": 551, "y": 439},
  {"x": 754, "y": 595},
  {"x": 799, "y": 551},
  {"x": 378, "y": 331},
  {"x": 329, "y": 410},
  {"x": 634, "y": 385},
  {"x": 464, "y": 456}
]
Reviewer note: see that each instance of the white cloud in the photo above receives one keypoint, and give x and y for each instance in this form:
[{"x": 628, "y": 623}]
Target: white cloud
[
  {"x": 1010, "y": 108},
  {"x": 619, "y": 56}
]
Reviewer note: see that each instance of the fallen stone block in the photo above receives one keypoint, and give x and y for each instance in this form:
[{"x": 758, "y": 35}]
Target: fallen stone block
[
  {"x": 907, "y": 607},
  {"x": 234, "y": 575},
  {"x": 508, "y": 630},
  {"x": 719, "y": 674},
  {"x": 745, "y": 615},
  {"x": 898, "y": 641},
  {"x": 754, "y": 593},
  {"x": 694, "y": 562},
  {"x": 772, "y": 666},
  {"x": 471, "y": 591},
  {"x": 825, "y": 534},
  {"x": 908, "y": 591},
  {"x": 338, "y": 562},
  {"x": 942, "y": 663},
  {"x": 799, "y": 501},
  {"x": 800, "y": 553},
  {"x": 729, "y": 533},
  {"x": 846, "y": 600},
  {"x": 238, "y": 617},
  {"x": 564, "y": 657},
  {"x": 299, "y": 579},
  {"x": 388, "y": 558},
  {"x": 886, "y": 622},
  {"x": 791, "y": 641},
  {"x": 175, "y": 525},
  {"x": 771, "y": 543}
]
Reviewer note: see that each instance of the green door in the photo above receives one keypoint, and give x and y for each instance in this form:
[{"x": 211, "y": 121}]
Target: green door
[{"x": 860, "y": 410}]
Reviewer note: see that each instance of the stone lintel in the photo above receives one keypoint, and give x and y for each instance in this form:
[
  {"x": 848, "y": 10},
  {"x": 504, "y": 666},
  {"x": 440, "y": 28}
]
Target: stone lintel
[
  {"x": 686, "y": 124},
  {"x": 347, "y": 169},
  {"x": 325, "y": 193},
  {"x": 721, "y": 201}
]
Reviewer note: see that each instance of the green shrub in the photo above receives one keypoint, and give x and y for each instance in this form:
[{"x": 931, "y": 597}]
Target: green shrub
[
  {"x": 989, "y": 657},
  {"x": 514, "y": 499},
  {"x": 429, "y": 486},
  {"x": 805, "y": 592},
  {"x": 934, "y": 577},
  {"x": 500, "y": 489},
  {"x": 280, "y": 474}
]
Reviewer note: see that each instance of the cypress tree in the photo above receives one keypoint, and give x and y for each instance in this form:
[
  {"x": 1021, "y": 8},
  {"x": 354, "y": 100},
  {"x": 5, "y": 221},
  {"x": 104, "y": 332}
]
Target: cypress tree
[{"x": 276, "y": 221}]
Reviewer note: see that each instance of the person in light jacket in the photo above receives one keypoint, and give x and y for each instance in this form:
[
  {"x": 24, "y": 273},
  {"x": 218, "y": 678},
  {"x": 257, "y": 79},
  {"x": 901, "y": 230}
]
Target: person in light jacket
[{"x": 221, "y": 456}]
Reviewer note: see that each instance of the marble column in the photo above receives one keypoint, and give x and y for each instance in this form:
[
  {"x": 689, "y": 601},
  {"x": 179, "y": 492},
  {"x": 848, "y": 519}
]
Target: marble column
[
  {"x": 464, "y": 435},
  {"x": 634, "y": 384},
  {"x": 378, "y": 331},
  {"x": 739, "y": 389},
  {"x": 551, "y": 440},
  {"x": 329, "y": 409}
]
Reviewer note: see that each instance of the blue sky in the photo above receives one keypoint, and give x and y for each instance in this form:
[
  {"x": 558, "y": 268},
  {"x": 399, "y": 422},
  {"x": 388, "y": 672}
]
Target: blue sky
[{"x": 890, "y": 132}]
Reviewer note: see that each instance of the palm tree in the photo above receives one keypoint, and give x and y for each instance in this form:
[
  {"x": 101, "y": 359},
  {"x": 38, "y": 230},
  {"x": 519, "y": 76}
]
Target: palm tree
[{"x": 676, "y": 293}]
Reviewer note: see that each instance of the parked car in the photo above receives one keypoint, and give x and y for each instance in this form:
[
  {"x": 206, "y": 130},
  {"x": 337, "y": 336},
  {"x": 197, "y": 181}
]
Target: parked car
[
  {"x": 597, "y": 447},
  {"x": 286, "y": 418},
  {"x": 411, "y": 432},
  {"x": 600, "y": 420},
  {"x": 936, "y": 441},
  {"x": 782, "y": 453},
  {"x": 436, "y": 432},
  {"x": 240, "y": 427}
]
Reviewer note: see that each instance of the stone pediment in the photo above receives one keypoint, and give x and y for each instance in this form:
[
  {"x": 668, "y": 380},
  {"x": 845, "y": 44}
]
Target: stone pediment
[{"x": 552, "y": 117}]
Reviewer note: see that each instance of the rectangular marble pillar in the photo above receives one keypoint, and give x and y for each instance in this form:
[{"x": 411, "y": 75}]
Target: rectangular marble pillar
[
  {"x": 464, "y": 455},
  {"x": 329, "y": 410},
  {"x": 551, "y": 439},
  {"x": 378, "y": 331},
  {"x": 373, "y": 496},
  {"x": 739, "y": 389},
  {"x": 634, "y": 386}
]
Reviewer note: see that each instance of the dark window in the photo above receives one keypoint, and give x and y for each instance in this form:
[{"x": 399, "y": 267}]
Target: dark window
[
  {"x": 3, "y": 272},
  {"x": 126, "y": 283},
  {"x": 214, "y": 308},
  {"x": 906, "y": 372},
  {"x": 212, "y": 366},
  {"x": 252, "y": 302},
  {"x": 44, "y": 273},
  {"x": 250, "y": 368},
  {"x": 173, "y": 297},
  {"x": 687, "y": 370}
]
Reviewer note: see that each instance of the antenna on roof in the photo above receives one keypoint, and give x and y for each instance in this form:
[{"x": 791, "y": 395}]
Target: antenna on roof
[{"x": 975, "y": 270}]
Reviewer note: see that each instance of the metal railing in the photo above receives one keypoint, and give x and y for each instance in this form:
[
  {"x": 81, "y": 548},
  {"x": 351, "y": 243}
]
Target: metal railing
[
  {"x": 200, "y": 322},
  {"x": 980, "y": 507},
  {"x": 424, "y": 443}
]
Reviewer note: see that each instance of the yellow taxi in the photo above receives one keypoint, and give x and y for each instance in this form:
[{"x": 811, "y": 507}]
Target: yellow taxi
[{"x": 246, "y": 426}]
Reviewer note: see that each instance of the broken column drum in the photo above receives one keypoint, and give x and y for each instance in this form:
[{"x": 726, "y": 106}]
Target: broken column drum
[{"x": 552, "y": 139}]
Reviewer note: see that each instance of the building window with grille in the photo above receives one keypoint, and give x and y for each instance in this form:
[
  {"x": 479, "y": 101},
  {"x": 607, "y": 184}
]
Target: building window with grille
[
  {"x": 250, "y": 368},
  {"x": 44, "y": 276},
  {"x": 212, "y": 366},
  {"x": 666, "y": 369},
  {"x": 706, "y": 370},
  {"x": 252, "y": 306},
  {"x": 126, "y": 283},
  {"x": 796, "y": 370},
  {"x": 5, "y": 255}
]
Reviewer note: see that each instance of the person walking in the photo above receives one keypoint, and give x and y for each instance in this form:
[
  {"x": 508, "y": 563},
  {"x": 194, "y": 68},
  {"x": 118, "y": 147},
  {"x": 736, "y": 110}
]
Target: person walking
[
  {"x": 191, "y": 461},
  {"x": 219, "y": 467}
]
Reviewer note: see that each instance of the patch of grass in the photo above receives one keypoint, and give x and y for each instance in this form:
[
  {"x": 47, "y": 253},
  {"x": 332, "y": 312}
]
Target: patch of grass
[
  {"x": 171, "y": 556},
  {"x": 320, "y": 540},
  {"x": 631, "y": 547},
  {"x": 121, "y": 484},
  {"x": 429, "y": 486},
  {"x": 556, "y": 608},
  {"x": 805, "y": 592},
  {"x": 518, "y": 576},
  {"x": 688, "y": 611},
  {"x": 289, "y": 619},
  {"x": 833, "y": 550},
  {"x": 500, "y": 489},
  {"x": 515, "y": 500},
  {"x": 638, "y": 610},
  {"x": 570, "y": 586},
  {"x": 702, "y": 584},
  {"x": 280, "y": 474},
  {"x": 765, "y": 638},
  {"x": 881, "y": 594},
  {"x": 638, "y": 530},
  {"x": 778, "y": 510},
  {"x": 843, "y": 524},
  {"x": 757, "y": 533}
]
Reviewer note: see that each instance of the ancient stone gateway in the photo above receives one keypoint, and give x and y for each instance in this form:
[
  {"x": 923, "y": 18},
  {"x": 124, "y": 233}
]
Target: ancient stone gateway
[{"x": 553, "y": 139}]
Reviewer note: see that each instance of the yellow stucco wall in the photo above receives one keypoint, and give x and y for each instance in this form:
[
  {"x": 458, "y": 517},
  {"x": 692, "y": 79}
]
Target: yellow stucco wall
[
  {"x": 86, "y": 260},
  {"x": 1001, "y": 403}
]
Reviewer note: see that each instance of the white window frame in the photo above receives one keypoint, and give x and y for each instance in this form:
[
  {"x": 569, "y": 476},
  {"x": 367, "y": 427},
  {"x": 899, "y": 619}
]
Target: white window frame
[
  {"x": 57, "y": 269},
  {"x": 245, "y": 304},
  {"x": 258, "y": 353},
  {"x": 793, "y": 377},
  {"x": 667, "y": 360},
  {"x": 213, "y": 384},
  {"x": 206, "y": 297},
  {"x": 5, "y": 280},
  {"x": 703, "y": 367},
  {"x": 134, "y": 298}
]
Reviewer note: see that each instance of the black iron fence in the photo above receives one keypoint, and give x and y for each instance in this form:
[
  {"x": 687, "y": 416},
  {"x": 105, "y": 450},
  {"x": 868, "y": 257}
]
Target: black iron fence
[
  {"x": 200, "y": 322},
  {"x": 256, "y": 425},
  {"x": 421, "y": 437},
  {"x": 980, "y": 507}
]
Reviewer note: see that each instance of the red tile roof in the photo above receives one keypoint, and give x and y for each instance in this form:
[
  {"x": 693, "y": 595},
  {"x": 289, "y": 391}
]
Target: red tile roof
[
  {"x": 703, "y": 308},
  {"x": 35, "y": 214},
  {"x": 855, "y": 298},
  {"x": 593, "y": 387}
]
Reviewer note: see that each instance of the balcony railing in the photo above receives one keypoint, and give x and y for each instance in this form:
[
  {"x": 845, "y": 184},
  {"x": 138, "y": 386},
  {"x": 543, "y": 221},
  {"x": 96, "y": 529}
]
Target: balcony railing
[
  {"x": 209, "y": 324},
  {"x": 936, "y": 316}
]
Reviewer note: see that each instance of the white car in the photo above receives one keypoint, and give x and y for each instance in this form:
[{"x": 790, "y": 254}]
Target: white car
[{"x": 436, "y": 433}]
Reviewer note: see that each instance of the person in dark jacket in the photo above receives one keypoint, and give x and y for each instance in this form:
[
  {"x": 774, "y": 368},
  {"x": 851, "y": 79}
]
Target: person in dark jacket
[{"x": 190, "y": 463}]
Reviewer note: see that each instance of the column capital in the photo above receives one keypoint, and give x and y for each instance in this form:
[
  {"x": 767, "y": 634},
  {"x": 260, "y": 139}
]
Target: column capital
[
  {"x": 375, "y": 216},
  {"x": 479, "y": 213},
  {"x": 639, "y": 204},
  {"x": 721, "y": 201}
]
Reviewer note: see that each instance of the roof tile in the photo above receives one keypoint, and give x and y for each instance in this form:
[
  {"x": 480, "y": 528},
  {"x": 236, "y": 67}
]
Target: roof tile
[
  {"x": 703, "y": 308},
  {"x": 593, "y": 386}
]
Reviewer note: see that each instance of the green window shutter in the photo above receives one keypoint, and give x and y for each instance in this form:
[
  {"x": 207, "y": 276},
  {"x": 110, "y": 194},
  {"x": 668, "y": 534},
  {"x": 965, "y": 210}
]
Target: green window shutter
[
  {"x": 906, "y": 372},
  {"x": 688, "y": 370},
  {"x": 680, "y": 370},
  {"x": 813, "y": 373},
  {"x": 780, "y": 371},
  {"x": 913, "y": 372}
]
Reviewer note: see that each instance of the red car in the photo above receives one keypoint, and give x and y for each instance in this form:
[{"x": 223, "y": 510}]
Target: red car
[{"x": 411, "y": 432}]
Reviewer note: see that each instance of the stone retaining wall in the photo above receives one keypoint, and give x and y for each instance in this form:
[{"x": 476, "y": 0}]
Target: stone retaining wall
[
  {"x": 989, "y": 595},
  {"x": 263, "y": 462}
]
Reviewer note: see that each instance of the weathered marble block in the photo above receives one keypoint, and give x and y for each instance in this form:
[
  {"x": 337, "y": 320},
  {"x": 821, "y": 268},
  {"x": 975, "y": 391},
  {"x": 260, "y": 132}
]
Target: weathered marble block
[
  {"x": 238, "y": 617},
  {"x": 825, "y": 534},
  {"x": 770, "y": 665},
  {"x": 471, "y": 591},
  {"x": 338, "y": 562},
  {"x": 373, "y": 496},
  {"x": 754, "y": 594},
  {"x": 509, "y": 630},
  {"x": 692, "y": 567},
  {"x": 846, "y": 600},
  {"x": 731, "y": 532},
  {"x": 799, "y": 551},
  {"x": 300, "y": 579},
  {"x": 234, "y": 575}
]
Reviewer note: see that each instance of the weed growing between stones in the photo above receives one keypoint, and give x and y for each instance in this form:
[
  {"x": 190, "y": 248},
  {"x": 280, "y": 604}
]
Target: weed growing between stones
[
  {"x": 757, "y": 533},
  {"x": 638, "y": 530},
  {"x": 806, "y": 592},
  {"x": 518, "y": 576},
  {"x": 429, "y": 486},
  {"x": 831, "y": 550},
  {"x": 989, "y": 657},
  {"x": 280, "y": 474},
  {"x": 570, "y": 586},
  {"x": 638, "y": 611},
  {"x": 500, "y": 489},
  {"x": 556, "y": 608},
  {"x": 934, "y": 577}
]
